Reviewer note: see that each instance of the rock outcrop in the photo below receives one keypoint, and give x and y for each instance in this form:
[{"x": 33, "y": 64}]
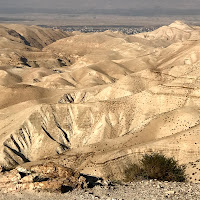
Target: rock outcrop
[{"x": 49, "y": 177}]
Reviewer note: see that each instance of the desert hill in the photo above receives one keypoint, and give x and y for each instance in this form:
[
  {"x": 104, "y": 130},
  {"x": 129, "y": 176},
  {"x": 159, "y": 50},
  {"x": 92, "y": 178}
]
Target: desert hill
[
  {"x": 21, "y": 44},
  {"x": 98, "y": 101}
]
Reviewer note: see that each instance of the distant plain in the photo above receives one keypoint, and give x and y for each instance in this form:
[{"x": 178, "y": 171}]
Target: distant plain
[{"x": 96, "y": 18}]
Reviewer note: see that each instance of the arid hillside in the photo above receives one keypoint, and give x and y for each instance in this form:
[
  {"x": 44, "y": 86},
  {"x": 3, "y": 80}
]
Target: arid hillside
[{"x": 97, "y": 102}]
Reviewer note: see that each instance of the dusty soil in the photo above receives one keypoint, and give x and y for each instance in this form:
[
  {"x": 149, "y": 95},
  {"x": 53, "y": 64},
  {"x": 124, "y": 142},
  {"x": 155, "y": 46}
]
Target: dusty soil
[{"x": 152, "y": 190}]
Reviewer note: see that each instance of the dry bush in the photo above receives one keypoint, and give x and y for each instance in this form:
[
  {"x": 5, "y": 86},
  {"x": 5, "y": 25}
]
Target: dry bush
[
  {"x": 156, "y": 166},
  {"x": 133, "y": 172}
]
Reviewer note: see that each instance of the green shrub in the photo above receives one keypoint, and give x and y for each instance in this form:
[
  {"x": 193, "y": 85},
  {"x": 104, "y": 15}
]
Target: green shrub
[{"x": 156, "y": 166}]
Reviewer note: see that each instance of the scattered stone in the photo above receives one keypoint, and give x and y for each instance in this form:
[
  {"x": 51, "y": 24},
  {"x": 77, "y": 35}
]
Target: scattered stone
[
  {"x": 1, "y": 169},
  {"x": 170, "y": 192}
]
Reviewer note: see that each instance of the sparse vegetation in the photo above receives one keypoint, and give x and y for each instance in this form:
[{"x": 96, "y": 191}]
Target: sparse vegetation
[
  {"x": 156, "y": 166},
  {"x": 134, "y": 172}
]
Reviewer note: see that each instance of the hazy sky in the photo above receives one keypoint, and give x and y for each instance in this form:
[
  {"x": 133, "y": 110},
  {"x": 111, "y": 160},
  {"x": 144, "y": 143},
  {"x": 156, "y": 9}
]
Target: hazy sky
[{"x": 101, "y": 4}]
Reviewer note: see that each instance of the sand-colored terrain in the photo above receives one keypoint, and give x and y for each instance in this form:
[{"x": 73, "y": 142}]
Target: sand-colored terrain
[{"x": 98, "y": 101}]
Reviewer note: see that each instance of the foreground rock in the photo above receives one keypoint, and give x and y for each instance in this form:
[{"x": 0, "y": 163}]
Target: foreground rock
[{"x": 48, "y": 177}]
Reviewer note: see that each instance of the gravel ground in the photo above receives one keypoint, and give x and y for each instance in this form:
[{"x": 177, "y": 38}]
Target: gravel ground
[{"x": 152, "y": 190}]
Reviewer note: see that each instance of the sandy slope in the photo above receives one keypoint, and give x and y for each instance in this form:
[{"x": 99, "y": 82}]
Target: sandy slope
[{"x": 98, "y": 101}]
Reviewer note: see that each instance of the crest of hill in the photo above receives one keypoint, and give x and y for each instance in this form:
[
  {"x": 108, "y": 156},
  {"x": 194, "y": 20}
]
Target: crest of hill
[
  {"x": 11, "y": 39},
  {"x": 83, "y": 44},
  {"x": 181, "y": 25},
  {"x": 21, "y": 45},
  {"x": 36, "y": 36},
  {"x": 178, "y": 31}
]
